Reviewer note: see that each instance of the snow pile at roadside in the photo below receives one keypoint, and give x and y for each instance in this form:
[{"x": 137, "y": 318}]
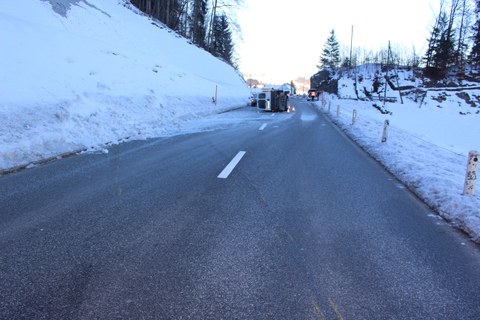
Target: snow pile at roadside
[
  {"x": 427, "y": 149},
  {"x": 367, "y": 75},
  {"x": 98, "y": 73}
]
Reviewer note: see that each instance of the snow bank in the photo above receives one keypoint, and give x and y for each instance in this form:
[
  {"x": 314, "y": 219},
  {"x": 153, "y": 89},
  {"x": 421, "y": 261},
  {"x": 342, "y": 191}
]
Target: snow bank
[
  {"x": 98, "y": 72},
  {"x": 427, "y": 149}
]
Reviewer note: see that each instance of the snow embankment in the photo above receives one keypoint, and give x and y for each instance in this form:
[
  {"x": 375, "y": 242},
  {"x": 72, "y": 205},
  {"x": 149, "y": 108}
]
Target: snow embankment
[
  {"x": 100, "y": 73},
  {"x": 427, "y": 149}
]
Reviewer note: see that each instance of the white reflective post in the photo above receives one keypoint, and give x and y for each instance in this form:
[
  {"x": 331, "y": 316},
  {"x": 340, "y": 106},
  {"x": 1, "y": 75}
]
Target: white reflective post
[
  {"x": 216, "y": 97},
  {"x": 471, "y": 176},
  {"x": 386, "y": 124}
]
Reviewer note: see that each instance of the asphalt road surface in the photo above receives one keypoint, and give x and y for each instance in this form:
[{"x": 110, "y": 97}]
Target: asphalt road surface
[{"x": 303, "y": 225}]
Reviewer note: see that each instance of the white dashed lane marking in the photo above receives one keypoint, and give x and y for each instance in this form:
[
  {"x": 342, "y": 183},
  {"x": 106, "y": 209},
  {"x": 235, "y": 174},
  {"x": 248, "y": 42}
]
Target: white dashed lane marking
[{"x": 229, "y": 168}]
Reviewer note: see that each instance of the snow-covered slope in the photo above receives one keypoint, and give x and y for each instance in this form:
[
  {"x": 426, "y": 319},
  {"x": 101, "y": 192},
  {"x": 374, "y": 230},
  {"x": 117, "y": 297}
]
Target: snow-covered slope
[
  {"x": 429, "y": 138},
  {"x": 446, "y": 117},
  {"x": 98, "y": 72}
]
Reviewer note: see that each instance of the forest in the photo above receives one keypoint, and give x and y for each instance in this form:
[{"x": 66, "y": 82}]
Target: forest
[
  {"x": 208, "y": 24},
  {"x": 453, "y": 46}
]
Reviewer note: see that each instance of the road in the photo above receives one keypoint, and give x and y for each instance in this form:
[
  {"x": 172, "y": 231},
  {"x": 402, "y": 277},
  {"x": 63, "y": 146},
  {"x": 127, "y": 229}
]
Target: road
[{"x": 305, "y": 226}]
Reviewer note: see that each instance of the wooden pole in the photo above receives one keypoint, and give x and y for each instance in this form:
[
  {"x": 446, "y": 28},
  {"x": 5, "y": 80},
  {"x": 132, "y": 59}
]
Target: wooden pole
[
  {"x": 386, "y": 76},
  {"x": 351, "y": 45}
]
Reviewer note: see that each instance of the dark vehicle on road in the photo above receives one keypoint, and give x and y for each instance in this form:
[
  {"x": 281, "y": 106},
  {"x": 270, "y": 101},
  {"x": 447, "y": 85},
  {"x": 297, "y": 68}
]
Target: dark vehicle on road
[
  {"x": 253, "y": 100},
  {"x": 312, "y": 94}
]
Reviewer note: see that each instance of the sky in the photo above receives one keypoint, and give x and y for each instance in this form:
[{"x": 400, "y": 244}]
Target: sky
[{"x": 283, "y": 40}]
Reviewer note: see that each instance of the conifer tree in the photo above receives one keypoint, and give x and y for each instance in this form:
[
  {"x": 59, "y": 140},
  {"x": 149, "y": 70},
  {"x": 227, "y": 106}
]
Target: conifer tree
[
  {"x": 434, "y": 40},
  {"x": 198, "y": 25},
  {"x": 222, "y": 44},
  {"x": 445, "y": 51},
  {"x": 475, "y": 52},
  {"x": 167, "y": 11},
  {"x": 441, "y": 52},
  {"x": 331, "y": 53}
]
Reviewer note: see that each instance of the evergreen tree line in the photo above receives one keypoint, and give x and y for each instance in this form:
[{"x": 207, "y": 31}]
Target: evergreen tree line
[
  {"x": 454, "y": 42},
  {"x": 205, "y": 26},
  {"x": 334, "y": 57},
  {"x": 454, "y": 39}
]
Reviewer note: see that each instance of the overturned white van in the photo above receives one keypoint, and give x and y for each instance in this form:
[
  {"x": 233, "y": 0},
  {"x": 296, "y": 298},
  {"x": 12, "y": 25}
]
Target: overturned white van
[{"x": 272, "y": 100}]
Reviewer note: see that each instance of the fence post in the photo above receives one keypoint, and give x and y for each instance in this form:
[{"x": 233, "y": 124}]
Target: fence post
[
  {"x": 386, "y": 124},
  {"x": 354, "y": 116},
  {"x": 471, "y": 176},
  {"x": 216, "y": 97}
]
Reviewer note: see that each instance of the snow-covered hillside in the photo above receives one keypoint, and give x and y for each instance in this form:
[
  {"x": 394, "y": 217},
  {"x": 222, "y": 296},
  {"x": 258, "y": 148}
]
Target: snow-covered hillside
[
  {"x": 96, "y": 71},
  {"x": 448, "y": 117}
]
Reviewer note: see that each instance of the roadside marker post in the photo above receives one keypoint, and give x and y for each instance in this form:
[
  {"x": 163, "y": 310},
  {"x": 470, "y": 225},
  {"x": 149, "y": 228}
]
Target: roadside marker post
[
  {"x": 471, "y": 175},
  {"x": 216, "y": 97},
  {"x": 338, "y": 111},
  {"x": 386, "y": 124},
  {"x": 354, "y": 116}
]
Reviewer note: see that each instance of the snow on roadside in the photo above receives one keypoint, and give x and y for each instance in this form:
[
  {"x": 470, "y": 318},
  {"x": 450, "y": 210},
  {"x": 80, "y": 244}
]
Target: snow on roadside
[
  {"x": 417, "y": 154},
  {"x": 98, "y": 73}
]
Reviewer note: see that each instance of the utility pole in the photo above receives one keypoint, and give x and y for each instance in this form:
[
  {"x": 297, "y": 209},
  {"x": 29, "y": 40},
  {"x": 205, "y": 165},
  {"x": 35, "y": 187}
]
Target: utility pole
[
  {"x": 386, "y": 76},
  {"x": 350, "y": 65},
  {"x": 350, "y": 59},
  {"x": 398, "y": 80}
]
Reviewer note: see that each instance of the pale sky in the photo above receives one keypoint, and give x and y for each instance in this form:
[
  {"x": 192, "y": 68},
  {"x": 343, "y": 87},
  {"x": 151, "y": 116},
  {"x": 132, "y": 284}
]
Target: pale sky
[{"x": 283, "y": 40}]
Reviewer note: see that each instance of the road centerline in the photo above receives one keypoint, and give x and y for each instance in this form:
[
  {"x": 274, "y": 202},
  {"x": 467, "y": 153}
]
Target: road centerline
[
  {"x": 263, "y": 127},
  {"x": 229, "y": 168}
]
